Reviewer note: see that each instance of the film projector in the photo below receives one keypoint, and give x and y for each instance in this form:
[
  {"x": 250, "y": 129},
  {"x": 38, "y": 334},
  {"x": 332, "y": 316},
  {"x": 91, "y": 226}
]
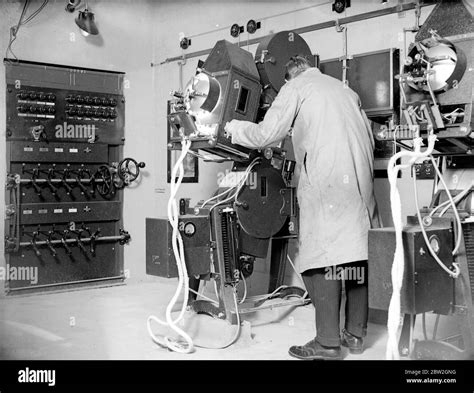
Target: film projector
[{"x": 254, "y": 210}]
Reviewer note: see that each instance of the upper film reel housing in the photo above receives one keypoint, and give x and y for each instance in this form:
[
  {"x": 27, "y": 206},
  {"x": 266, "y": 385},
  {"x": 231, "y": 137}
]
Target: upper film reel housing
[
  {"x": 231, "y": 84},
  {"x": 226, "y": 87},
  {"x": 272, "y": 55}
]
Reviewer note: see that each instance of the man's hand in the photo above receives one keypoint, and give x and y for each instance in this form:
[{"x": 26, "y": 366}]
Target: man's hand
[
  {"x": 241, "y": 132},
  {"x": 230, "y": 128}
]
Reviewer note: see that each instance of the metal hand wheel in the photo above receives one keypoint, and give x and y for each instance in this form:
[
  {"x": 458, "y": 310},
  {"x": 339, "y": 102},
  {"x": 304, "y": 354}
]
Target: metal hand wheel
[
  {"x": 103, "y": 180},
  {"x": 129, "y": 170}
]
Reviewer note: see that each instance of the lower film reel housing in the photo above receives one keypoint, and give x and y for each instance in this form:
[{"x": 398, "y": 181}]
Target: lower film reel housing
[{"x": 262, "y": 207}]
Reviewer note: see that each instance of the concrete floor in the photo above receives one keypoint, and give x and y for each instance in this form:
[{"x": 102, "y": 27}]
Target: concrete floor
[{"x": 110, "y": 323}]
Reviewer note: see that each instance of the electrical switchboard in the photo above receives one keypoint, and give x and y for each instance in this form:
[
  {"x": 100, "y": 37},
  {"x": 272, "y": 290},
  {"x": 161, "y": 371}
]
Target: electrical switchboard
[{"x": 65, "y": 170}]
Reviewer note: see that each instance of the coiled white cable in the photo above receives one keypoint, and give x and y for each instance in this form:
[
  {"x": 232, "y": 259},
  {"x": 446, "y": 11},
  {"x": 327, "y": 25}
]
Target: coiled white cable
[
  {"x": 178, "y": 250},
  {"x": 399, "y": 259},
  {"x": 183, "y": 280}
]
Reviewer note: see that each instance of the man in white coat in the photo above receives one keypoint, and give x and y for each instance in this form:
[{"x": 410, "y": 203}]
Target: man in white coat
[{"x": 333, "y": 146}]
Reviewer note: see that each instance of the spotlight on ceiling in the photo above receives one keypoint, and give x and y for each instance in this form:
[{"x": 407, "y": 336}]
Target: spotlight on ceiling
[
  {"x": 340, "y": 5},
  {"x": 72, "y": 5},
  {"x": 252, "y": 26},
  {"x": 235, "y": 30},
  {"x": 85, "y": 21},
  {"x": 185, "y": 43}
]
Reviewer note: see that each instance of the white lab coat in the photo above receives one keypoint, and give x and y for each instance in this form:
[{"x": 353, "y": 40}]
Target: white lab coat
[{"x": 333, "y": 146}]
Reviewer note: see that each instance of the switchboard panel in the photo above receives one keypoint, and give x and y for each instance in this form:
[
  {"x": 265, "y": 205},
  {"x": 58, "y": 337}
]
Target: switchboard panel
[{"x": 65, "y": 171}]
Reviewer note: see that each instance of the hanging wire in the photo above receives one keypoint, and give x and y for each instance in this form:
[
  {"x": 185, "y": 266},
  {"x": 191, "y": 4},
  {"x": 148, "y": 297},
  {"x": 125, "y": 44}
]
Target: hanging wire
[
  {"x": 34, "y": 14},
  {"x": 435, "y": 329},
  {"x": 14, "y": 31},
  {"x": 21, "y": 22}
]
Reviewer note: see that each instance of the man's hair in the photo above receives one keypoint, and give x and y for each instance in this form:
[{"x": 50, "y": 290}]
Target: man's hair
[{"x": 296, "y": 66}]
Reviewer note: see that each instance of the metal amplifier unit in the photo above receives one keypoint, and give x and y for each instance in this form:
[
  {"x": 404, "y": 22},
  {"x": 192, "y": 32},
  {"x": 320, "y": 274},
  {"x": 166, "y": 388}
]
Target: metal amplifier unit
[
  {"x": 426, "y": 286},
  {"x": 194, "y": 230}
]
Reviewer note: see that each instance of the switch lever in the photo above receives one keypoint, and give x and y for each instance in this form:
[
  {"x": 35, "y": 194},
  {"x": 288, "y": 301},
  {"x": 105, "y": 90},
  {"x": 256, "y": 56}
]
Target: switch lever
[
  {"x": 64, "y": 242},
  {"x": 50, "y": 244},
  {"x": 33, "y": 244}
]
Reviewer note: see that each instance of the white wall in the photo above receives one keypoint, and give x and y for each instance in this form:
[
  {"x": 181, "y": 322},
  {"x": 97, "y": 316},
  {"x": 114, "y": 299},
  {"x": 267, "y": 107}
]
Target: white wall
[{"x": 137, "y": 33}]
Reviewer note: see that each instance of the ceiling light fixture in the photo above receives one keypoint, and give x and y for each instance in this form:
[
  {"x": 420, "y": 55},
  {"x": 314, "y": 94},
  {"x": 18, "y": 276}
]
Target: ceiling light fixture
[
  {"x": 185, "y": 43},
  {"x": 85, "y": 19},
  {"x": 252, "y": 26},
  {"x": 72, "y": 5},
  {"x": 235, "y": 30},
  {"x": 340, "y": 5}
]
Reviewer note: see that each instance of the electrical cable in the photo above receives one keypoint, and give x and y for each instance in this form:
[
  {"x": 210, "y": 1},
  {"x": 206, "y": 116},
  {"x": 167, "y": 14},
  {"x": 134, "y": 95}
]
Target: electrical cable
[
  {"x": 21, "y": 22},
  {"x": 14, "y": 31},
  {"x": 216, "y": 291},
  {"x": 423, "y": 323},
  {"x": 458, "y": 198},
  {"x": 209, "y": 158},
  {"x": 435, "y": 329},
  {"x": 34, "y": 14},
  {"x": 244, "y": 297},
  {"x": 183, "y": 281},
  {"x": 203, "y": 296},
  {"x": 274, "y": 292},
  {"x": 435, "y": 180},
  {"x": 452, "y": 118},
  {"x": 239, "y": 185},
  {"x": 435, "y": 209},
  {"x": 397, "y": 270},
  {"x": 217, "y": 196},
  {"x": 455, "y": 211},
  {"x": 240, "y": 182},
  {"x": 177, "y": 243},
  {"x": 237, "y": 330},
  {"x": 294, "y": 268},
  {"x": 456, "y": 271}
]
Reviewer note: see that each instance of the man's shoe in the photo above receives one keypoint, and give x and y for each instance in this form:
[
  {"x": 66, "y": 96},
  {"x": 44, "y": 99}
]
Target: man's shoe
[
  {"x": 314, "y": 350},
  {"x": 354, "y": 343}
]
